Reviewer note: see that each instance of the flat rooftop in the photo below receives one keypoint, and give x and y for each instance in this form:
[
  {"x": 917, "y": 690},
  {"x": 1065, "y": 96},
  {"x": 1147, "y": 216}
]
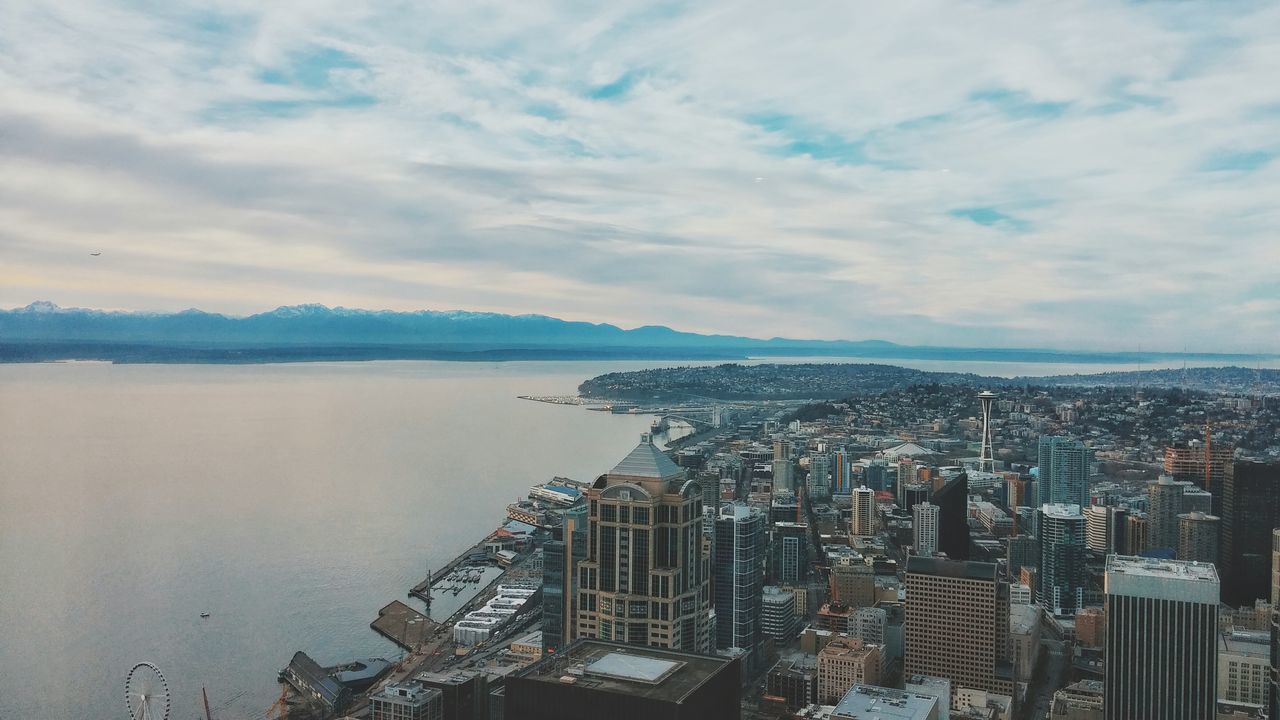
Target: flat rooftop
[
  {"x": 627, "y": 669},
  {"x": 1164, "y": 569},
  {"x": 868, "y": 702},
  {"x": 967, "y": 569}
]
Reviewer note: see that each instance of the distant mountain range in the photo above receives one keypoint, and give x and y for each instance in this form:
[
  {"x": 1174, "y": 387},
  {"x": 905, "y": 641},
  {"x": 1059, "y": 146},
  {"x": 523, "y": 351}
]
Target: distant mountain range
[{"x": 44, "y": 331}]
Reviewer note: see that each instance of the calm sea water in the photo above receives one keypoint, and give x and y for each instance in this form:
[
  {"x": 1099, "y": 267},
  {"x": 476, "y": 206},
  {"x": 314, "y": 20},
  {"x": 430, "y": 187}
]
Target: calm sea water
[{"x": 290, "y": 501}]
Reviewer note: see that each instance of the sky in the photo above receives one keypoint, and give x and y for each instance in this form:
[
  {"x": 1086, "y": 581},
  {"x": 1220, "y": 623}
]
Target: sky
[{"x": 1085, "y": 175}]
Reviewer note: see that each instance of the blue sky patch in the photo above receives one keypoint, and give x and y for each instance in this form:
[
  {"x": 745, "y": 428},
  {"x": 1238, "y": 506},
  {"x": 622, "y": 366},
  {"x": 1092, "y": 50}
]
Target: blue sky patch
[
  {"x": 311, "y": 69},
  {"x": 1237, "y": 160},
  {"x": 617, "y": 88},
  {"x": 804, "y": 139},
  {"x": 1018, "y": 104},
  {"x": 991, "y": 217}
]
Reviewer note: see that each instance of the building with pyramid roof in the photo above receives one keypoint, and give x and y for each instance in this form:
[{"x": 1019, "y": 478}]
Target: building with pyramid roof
[{"x": 646, "y": 577}]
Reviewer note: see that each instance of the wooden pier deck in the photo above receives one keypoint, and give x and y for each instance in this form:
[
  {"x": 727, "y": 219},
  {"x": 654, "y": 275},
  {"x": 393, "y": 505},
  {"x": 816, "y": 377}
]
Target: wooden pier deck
[{"x": 403, "y": 625}]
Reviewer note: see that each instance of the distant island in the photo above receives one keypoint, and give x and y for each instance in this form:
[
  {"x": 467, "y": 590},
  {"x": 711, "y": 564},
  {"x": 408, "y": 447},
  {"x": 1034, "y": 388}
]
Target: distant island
[
  {"x": 825, "y": 381},
  {"x": 43, "y": 332}
]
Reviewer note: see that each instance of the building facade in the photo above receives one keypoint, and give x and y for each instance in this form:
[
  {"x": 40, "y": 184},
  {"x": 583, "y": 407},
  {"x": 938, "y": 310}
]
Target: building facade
[
  {"x": 1064, "y": 471},
  {"x": 1062, "y": 577},
  {"x": 957, "y": 624},
  {"x": 646, "y": 578},
  {"x": 1161, "y": 639},
  {"x": 560, "y": 558},
  {"x": 407, "y": 700},
  {"x": 1250, "y": 510},
  {"x": 1198, "y": 537},
  {"x": 738, "y": 583},
  {"x": 863, "y": 521},
  {"x": 843, "y": 663},
  {"x": 952, "y": 500},
  {"x": 924, "y": 528}
]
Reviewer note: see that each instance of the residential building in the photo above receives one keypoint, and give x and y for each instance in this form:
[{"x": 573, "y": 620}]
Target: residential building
[
  {"x": 1136, "y": 530},
  {"x": 1105, "y": 529},
  {"x": 1205, "y": 466},
  {"x": 1064, "y": 471},
  {"x": 853, "y": 585},
  {"x": 1198, "y": 537},
  {"x": 1164, "y": 504},
  {"x": 843, "y": 663},
  {"x": 1062, "y": 578},
  {"x": 819, "y": 472},
  {"x": 957, "y": 623},
  {"x": 924, "y": 528},
  {"x": 863, "y": 522},
  {"x": 789, "y": 552},
  {"x": 869, "y": 624},
  {"x": 1161, "y": 639},
  {"x": 646, "y": 578}
]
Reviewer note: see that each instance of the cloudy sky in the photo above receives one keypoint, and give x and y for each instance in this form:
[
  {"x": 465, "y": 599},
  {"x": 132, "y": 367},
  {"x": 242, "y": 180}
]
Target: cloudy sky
[{"x": 1082, "y": 174}]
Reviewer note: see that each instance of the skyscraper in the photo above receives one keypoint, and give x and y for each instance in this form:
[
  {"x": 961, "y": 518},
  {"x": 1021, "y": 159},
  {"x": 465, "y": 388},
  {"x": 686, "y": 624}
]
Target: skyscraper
[
  {"x": 957, "y": 624},
  {"x": 560, "y": 558},
  {"x": 1250, "y": 510},
  {"x": 789, "y": 549},
  {"x": 1164, "y": 504},
  {"x": 924, "y": 525},
  {"x": 1161, "y": 639},
  {"x": 739, "y": 575},
  {"x": 1198, "y": 537},
  {"x": 783, "y": 475},
  {"x": 1064, "y": 471},
  {"x": 778, "y": 614},
  {"x": 1105, "y": 529},
  {"x": 840, "y": 482},
  {"x": 864, "y": 512},
  {"x": 1206, "y": 467},
  {"x": 1062, "y": 559},
  {"x": 953, "y": 517},
  {"x": 1273, "y": 697},
  {"x": 820, "y": 472},
  {"x": 645, "y": 579}
]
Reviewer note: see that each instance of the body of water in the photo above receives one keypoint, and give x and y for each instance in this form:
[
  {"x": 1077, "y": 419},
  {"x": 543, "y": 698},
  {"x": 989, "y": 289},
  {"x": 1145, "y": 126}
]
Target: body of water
[{"x": 289, "y": 501}]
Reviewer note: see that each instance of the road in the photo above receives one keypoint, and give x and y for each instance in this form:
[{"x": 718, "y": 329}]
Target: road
[{"x": 1051, "y": 675}]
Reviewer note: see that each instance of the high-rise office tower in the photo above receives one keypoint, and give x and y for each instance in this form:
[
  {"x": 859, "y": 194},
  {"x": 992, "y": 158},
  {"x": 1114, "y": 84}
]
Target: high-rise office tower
[
  {"x": 789, "y": 549},
  {"x": 986, "y": 458},
  {"x": 924, "y": 526},
  {"x": 1062, "y": 559},
  {"x": 739, "y": 575},
  {"x": 957, "y": 624},
  {"x": 819, "y": 472},
  {"x": 914, "y": 494},
  {"x": 1198, "y": 537},
  {"x": 840, "y": 478},
  {"x": 778, "y": 614},
  {"x": 1164, "y": 504},
  {"x": 953, "y": 517},
  {"x": 560, "y": 558},
  {"x": 1204, "y": 466},
  {"x": 1161, "y": 639},
  {"x": 646, "y": 577},
  {"x": 863, "y": 522},
  {"x": 1064, "y": 471},
  {"x": 1250, "y": 509},
  {"x": 1273, "y": 697},
  {"x": 1023, "y": 551},
  {"x": 783, "y": 475},
  {"x": 782, "y": 450}
]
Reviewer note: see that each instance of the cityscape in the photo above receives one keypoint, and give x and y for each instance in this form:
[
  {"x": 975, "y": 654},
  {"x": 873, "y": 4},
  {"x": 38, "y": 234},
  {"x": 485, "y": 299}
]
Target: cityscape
[{"x": 709, "y": 360}]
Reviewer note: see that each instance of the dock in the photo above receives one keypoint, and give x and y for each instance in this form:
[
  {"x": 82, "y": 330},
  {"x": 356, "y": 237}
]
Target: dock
[
  {"x": 422, "y": 590},
  {"x": 403, "y": 625}
]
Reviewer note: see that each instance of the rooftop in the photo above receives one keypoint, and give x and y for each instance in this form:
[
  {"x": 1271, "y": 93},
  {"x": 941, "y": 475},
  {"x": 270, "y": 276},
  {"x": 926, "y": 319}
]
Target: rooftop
[
  {"x": 1060, "y": 510},
  {"x": 647, "y": 461},
  {"x": 966, "y": 569},
  {"x": 1168, "y": 569},
  {"x": 868, "y": 702},
  {"x": 627, "y": 669}
]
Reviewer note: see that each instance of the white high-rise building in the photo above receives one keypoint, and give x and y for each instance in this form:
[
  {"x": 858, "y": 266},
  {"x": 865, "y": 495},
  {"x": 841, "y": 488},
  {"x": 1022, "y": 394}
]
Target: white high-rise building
[
  {"x": 1161, "y": 645},
  {"x": 924, "y": 525},
  {"x": 864, "y": 512}
]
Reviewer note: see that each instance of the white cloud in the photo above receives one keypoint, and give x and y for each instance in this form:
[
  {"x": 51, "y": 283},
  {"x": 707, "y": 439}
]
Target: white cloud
[{"x": 603, "y": 166}]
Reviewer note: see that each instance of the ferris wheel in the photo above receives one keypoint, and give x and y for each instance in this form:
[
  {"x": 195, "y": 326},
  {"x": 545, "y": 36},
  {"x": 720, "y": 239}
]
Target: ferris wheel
[{"x": 146, "y": 693}]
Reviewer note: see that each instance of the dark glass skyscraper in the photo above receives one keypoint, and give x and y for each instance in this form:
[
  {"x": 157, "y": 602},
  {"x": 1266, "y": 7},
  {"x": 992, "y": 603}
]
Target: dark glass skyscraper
[
  {"x": 1250, "y": 510},
  {"x": 560, "y": 558},
  {"x": 1060, "y": 587},
  {"x": 952, "y": 500},
  {"x": 738, "y": 582},
  {"x": 1064, "y": 471}
]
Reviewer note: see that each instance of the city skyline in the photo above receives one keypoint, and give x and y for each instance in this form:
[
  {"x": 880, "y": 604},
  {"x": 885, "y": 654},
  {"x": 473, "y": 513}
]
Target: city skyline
[{"x": 940, "y": 174}]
